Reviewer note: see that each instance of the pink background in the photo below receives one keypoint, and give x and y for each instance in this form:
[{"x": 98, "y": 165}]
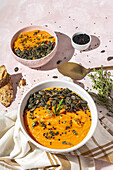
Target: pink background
[{"x": 65, "y": 17}]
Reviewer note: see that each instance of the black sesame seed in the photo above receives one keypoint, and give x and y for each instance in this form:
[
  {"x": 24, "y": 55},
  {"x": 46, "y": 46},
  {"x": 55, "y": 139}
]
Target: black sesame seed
[
  {"x": 55, "y": 77},
  {"x": 103, "y": 51},
  {"x": 59, "y": 61},
  {"x": 16, "y": 69}
]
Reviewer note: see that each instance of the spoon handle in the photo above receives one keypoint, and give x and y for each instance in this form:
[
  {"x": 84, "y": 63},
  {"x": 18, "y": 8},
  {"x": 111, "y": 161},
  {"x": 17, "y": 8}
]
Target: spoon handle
[{"x": 104, "y": 68}]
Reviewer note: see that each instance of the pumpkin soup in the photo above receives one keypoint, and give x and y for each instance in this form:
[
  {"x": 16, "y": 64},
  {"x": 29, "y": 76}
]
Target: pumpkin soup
[
  {"x": 34, "y": 44},
  {"x": 57, "y": 118}
]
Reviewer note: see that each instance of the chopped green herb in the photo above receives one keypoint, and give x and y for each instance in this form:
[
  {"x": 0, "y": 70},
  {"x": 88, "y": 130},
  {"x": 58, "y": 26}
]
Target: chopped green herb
[
  {"x": 57, "y": 109},
  {"x": 46, "y": 134},
  {"x": 57, "y": 133},
  {"x": 50, "y": 114},
  {"x": 31, "y": 117},
  {"x": 35, "y": 33},
  {"x": 21, "y": 36},
  {"x": 51, "y": 132},
  {"x": 35, "y": 123},
  {"x": 64, "y": 142},
  {"x": 50, "y": 37},
  {"x": 43, "y": 125},
  {"x": 74, "y": 132},
  {"x": 67, "y": 127},
  {"x": 71, "y": 122}
]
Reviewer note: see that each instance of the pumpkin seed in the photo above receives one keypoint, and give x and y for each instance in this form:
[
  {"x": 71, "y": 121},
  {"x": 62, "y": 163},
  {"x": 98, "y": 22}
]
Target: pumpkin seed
[
  {"x": 66, "y": 108},
  {"x": 68, "y": 100},
  {"x": 31, "y": 99},
  {"x": 54, "y": 102},
  {"x": 38, "y": 95},
  {"x": 50, "y": 93},
  {"x": 53, "y": 96},
  {"x": 73, "y": 97},
  {"x": 33, "y": 108},
  {"x": 46, "y": 106},
  {"x": 37, "y": 101},
  {"x": 30, "y": 105},
  {"x": 68, "y": 95},
  {"x": 86, "y": 107},
  {"x": 42, "y": 104},
  {"x": 83, "y": 101},
  {"x": 46, "y": 97}
]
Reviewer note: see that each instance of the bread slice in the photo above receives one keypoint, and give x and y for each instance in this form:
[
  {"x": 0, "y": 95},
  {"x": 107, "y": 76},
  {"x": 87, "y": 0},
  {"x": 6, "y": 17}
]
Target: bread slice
[
  {"x": 6, "y": 87},
  {"x": 3, "y": 76},
  {"x": 6, "y": 93}
]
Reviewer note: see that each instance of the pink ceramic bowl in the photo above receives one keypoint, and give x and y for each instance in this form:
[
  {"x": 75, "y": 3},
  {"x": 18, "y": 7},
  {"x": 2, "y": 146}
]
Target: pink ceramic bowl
[{"x": 37, "y": 62}]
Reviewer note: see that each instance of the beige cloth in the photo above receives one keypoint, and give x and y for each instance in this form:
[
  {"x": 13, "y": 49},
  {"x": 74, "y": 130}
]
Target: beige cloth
[
  {"x": 16, "y": 152},
  {"x": 15, "y": 146}
]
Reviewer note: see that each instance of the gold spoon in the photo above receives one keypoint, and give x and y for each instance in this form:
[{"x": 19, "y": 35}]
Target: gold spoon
[{"x": 76, "y": 71}]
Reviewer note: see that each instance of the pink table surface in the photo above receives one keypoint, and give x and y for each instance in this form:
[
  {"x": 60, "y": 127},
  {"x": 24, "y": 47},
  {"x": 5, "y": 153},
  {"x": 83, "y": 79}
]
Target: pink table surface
[{"x": 65, "y": 18}]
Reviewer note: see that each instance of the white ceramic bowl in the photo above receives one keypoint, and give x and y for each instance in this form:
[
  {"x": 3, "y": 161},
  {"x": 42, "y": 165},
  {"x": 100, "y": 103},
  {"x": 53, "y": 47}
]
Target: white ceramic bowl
[
  {"x": 64, "y": 84},
  {"x": 37, "y": 62},
  {"x": 80, "y": 47}
]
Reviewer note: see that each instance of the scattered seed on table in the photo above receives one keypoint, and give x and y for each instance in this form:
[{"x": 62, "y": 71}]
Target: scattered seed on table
[
  {"x": 103, "y": 51},
  {"x": 55, "y": 77},
  {"x": 16, "y": 69},
  {"x": 59, "y": 61}
]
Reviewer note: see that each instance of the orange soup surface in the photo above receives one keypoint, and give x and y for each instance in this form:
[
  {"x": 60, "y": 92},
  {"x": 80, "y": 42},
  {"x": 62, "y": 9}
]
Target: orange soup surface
[
  {"x": 57, "y": 118},
  {"x": 34, "y": 44}
]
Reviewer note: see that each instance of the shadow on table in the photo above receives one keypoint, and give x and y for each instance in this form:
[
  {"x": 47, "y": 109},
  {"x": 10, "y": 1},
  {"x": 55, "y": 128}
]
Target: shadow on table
[
  {"x": 15, "y": 79},
  {"x": 99, "y": 164},
  {"x": 79, "y": 83},
  {"x": 95, "y": 43},
  {"x": 64, "y": 52}
]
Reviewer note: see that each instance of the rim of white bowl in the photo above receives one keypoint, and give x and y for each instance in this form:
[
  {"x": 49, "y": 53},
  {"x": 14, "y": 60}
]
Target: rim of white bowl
[
  {"x": 81, "y": 32},
  {"x": 12, "y": 42},
  {"x": 88, "y": 136}
]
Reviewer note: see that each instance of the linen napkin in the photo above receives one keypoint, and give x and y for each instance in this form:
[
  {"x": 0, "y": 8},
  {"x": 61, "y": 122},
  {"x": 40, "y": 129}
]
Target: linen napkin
[
  {"x": 16, "y": 152},
  {"x": 15, "y": 149}
]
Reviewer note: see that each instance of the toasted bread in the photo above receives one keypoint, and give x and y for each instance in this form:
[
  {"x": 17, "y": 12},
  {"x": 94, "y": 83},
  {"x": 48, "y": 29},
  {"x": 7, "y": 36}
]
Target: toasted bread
[
  {"x": 3, "y": 76},
  {"x": 6, "y": 87}
]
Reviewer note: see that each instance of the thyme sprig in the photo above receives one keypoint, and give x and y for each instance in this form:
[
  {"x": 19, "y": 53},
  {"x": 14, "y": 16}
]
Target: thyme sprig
[{"x": 104, "y": 86}]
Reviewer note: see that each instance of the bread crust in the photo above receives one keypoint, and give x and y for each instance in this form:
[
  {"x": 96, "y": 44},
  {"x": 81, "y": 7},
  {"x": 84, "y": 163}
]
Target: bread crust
[
  {"x": 6, "y": 87},
  {"x": 3, "y": 76}
]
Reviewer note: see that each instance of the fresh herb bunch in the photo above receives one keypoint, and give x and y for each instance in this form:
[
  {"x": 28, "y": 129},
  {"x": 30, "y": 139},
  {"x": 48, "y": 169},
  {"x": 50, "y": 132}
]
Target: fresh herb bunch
[{"x": 104, "y": 85}]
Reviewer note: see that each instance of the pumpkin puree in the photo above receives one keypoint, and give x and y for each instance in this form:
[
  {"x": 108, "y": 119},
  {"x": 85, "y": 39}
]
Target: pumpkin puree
[{"x": 58, "y": 132}]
